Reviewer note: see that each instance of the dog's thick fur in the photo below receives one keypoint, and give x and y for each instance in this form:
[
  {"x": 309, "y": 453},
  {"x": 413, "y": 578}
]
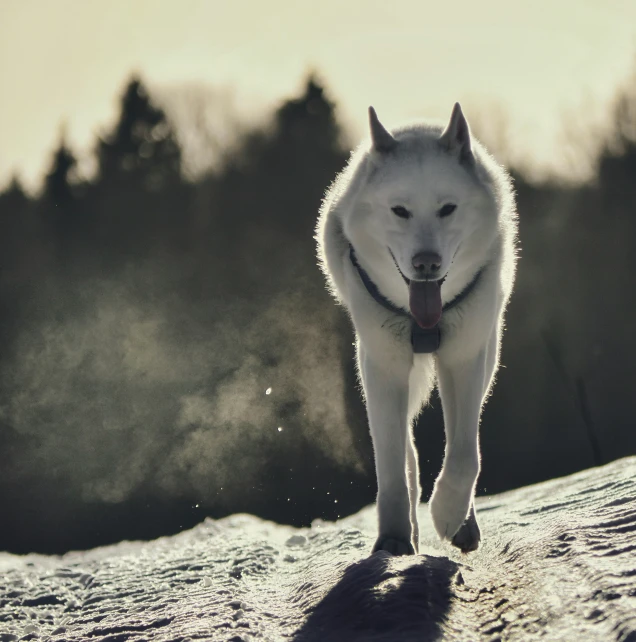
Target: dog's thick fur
[{"x": 388, "y": 204}]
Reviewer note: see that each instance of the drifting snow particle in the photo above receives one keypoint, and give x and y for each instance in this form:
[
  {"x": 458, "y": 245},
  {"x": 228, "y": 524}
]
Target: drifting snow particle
[
  {"x": 196, "y": 505},
  {"x": 280, "y": 429},
  {"x": 268, "y": 391},
  {"x": 335, "y": 501}
]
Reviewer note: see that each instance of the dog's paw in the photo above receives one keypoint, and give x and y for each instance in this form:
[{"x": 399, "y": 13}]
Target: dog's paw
[
  {"x": 449, "y": 508},
  {"x": 393, "y": 545},
  {"x": 468, "y": 536}
]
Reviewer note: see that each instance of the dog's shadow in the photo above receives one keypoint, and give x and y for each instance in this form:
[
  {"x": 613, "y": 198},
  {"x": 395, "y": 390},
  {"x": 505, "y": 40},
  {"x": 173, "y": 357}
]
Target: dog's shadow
[{"x": 384, "y": 598}]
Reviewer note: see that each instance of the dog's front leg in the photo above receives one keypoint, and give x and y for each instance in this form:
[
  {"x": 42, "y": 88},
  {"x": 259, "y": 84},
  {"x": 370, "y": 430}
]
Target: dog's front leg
[
  {"x": 386, "y": 387},
  {"x": 463, "y": 385}
]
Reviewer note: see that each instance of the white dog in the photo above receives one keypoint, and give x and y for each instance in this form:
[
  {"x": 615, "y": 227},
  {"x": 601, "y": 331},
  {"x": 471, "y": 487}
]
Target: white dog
[{"x": 417, "y": 239}]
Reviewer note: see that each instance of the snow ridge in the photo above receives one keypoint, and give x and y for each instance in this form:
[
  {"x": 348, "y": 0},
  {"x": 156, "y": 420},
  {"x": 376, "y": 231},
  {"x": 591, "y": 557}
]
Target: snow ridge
[{"x": 558, "y": 562}]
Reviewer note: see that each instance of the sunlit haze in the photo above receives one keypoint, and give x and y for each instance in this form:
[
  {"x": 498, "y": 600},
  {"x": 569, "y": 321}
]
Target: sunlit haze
[{"x": 540, "y": 64}]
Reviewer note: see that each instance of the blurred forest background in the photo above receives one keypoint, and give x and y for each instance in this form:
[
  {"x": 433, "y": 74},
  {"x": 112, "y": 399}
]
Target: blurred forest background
[{"x": 168, "y": 349}]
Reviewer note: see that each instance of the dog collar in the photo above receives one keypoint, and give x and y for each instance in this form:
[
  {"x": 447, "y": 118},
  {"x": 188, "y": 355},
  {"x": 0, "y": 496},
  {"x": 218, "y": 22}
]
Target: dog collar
[{"x": 424, "y": 341}]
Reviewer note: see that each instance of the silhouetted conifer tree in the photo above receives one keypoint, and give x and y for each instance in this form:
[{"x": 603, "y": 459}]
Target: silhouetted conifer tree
[
  {"x": 142, "y": 145},
  {"x": 59, "y": 208},
  {"x": 139, "y": 200},
  {"x": 15, "y": 226},
  {"x": 271, "y": 200},
  {"x": 58, "y": 190},
  {"x": 14, "y": 199},
  {"x": 617, "y": 161},
  {"x": 309, "y": 122}
]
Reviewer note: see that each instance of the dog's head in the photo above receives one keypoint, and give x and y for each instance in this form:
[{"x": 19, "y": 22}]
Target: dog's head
[{"x": 425, "y": 198}]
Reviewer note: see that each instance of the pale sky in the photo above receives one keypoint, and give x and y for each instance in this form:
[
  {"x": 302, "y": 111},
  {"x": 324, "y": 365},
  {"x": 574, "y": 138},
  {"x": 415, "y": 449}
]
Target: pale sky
[{"x": 543, "y": 62}]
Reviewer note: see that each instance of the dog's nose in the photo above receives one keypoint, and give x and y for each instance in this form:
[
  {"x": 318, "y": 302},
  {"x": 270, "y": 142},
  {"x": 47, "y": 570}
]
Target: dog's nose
[{"x": 427, "y": 263}]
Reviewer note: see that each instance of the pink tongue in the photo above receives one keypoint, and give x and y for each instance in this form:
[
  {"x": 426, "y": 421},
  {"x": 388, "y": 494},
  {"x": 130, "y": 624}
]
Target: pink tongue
[{"x": 425, "y": 301}]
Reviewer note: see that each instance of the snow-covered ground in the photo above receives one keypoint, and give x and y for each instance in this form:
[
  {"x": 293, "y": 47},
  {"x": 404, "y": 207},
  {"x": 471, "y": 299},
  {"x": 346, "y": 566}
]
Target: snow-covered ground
[{"x": 558, "y": 562}]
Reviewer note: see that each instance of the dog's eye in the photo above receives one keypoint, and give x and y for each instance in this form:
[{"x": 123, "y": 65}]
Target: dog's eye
[
  {"x": 447, "y": 209},
  {"x": 400, "y": 211}
]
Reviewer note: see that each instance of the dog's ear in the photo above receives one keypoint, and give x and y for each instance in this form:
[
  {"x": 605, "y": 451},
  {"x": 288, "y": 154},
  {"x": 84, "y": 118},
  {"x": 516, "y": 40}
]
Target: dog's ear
[
  {"x": 456, "y": 137},
  {"x": 382, "y": 140}
]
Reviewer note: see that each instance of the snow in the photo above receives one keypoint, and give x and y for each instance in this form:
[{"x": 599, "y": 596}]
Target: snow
[{"x": 558, "y": 562}]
